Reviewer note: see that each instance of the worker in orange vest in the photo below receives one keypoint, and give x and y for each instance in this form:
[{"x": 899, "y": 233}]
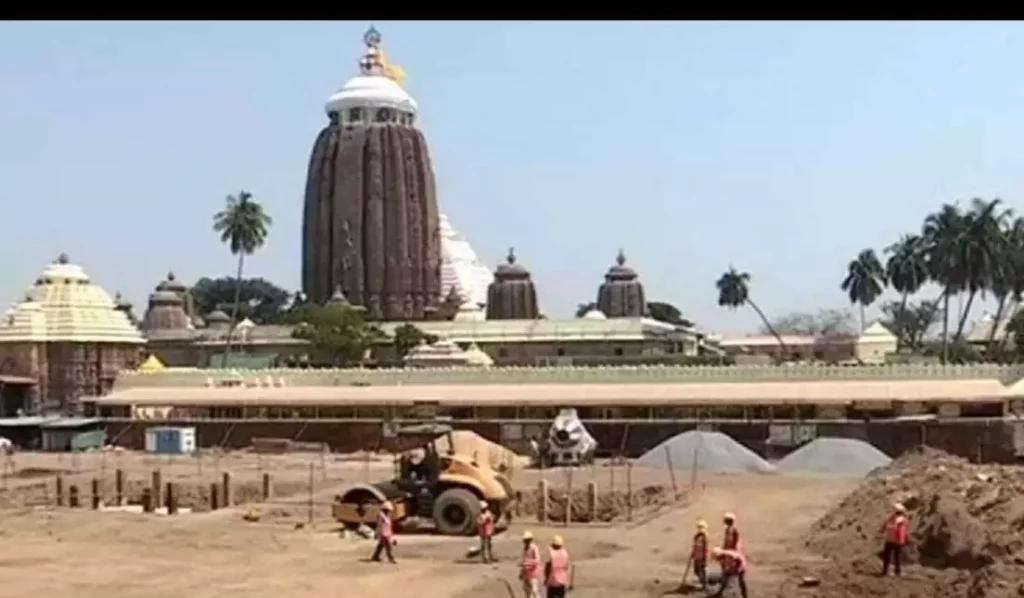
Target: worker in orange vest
[
  {"x": 896, "y": 535},
  {"x": 734, "y": 566},
  {"x": 529, "y": 567},
  {"x": 385, "y": 534},
  {"x": 731, "y": 540},
  {"x": 699, "y": 555},
  {"x": 485, "y": 529},
  {"x": 558, "y": 572}
]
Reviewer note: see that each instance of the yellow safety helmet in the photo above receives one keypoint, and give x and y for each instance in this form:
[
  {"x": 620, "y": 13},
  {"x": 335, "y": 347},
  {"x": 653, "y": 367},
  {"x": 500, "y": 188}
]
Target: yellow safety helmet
[
  {"x": 702, "y": 525},
  {"x": 729, "y": 517},
  {"x": 387, "y": 506},
  {"x": 716, "y": 551},
  {"x": 899, "y": 508},
  {"x": 527, "y": 535},
  {"x": 557, "y": 541},
  {"x": 483, "y": 504}
]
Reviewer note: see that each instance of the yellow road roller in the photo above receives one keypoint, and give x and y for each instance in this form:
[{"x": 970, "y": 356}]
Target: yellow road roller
[{"x": 445, "y": 489}]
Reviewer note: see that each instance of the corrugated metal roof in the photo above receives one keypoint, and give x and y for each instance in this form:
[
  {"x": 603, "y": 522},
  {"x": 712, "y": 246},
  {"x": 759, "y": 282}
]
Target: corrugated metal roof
[
  {"x": 578, "y": 394},
  {"x": 45, "y": 421},
  {"x": 30, "y": 421},
  {"x": 71, "y": 422}
]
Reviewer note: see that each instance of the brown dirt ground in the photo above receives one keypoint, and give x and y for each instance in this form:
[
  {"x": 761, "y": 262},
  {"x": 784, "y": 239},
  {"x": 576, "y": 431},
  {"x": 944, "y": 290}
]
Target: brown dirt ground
[{"x": 97, "y": 554}]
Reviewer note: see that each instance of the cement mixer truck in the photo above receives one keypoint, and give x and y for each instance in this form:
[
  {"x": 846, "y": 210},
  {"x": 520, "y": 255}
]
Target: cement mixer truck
[{"x": 567, "y": 443}]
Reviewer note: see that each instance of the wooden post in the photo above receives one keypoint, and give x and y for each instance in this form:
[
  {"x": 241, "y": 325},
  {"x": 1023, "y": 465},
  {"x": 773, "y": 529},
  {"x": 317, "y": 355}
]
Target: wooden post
[
  {"x": 73, "y": 496},
  {"x": 172, "y": 500},
  {"x": 156, "y": 487},
  {"x": 60, "y": 491},
  {"x": 568, "y": 498},
  {"x": 266, "y": 487},
  {"x": 147, "y": 500},
  {"x": 542, "y": 501},
  {"x": 226, "y": 491},
  {"x": 671, "y": 473},
  {"x": 213, "y": 497},
  {"x": 119, "y": 486},
  {"x": 96, "y": 493}
]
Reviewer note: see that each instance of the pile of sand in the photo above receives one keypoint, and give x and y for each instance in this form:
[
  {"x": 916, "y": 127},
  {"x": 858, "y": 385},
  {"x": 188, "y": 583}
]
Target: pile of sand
[
  {"x": 843, "y": 457},
  {"x": 709, "y": 452},
  {"x": 966, "y": 523},
  {"x": 472, "y": 444}
]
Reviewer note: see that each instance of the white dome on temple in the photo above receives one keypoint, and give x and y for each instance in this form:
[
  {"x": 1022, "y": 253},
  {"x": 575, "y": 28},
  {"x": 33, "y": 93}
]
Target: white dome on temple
[
  {"x": 65, "y": 305},
  {"x": 378, "y": 85},
  {"x": 461, "y": 268}
]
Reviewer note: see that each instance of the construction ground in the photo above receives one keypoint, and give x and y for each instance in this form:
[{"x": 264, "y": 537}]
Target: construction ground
[{"x": 967, "y": 531}]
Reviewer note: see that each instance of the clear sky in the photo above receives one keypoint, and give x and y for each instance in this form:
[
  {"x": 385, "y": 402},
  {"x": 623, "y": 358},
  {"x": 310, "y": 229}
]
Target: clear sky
[{"x": 781, "y": 148}]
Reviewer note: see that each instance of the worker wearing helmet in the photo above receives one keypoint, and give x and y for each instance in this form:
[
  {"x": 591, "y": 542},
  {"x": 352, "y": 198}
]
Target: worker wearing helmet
[
  {"x": 896, "y": 535},
  {"x": 485, "y": 529},
  {"x": 529, "y": 568},
  {"x": 699, "y": 555},
  {"x": 558, "y": 572},
  {"x": 731, "y": 538},
  {"x": 734, "y": 566},
  {"x": 385, "y": 534}
]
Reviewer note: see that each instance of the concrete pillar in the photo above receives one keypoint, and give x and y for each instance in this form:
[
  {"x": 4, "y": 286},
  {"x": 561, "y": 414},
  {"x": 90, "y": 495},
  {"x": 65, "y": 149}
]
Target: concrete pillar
[
  {"x": 171, "y": 499},
  {"x": 155, "y": 487},
  {"x": 119, "y": 487},
  {"x": 592, "y": 500},
  {"x": 226, "y": 491},
  {"x": 96, "y": 493},
  {"x": 542, "y": 501}
]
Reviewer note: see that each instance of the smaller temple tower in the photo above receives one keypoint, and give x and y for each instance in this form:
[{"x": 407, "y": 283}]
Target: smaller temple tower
[
  {"x": 512, "y": 295},
  {"x": 622, "y": 294},
  {"x": 166, "y": 317}
]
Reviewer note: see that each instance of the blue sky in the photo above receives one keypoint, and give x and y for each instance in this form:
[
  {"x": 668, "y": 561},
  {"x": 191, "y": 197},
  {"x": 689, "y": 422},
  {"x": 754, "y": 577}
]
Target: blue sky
[{"x": 780, "y": 148}]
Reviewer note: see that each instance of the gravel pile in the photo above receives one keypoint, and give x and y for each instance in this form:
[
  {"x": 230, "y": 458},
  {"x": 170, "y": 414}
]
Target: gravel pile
[
  {"x": 712, "y": 452},
  {"x": 842, "y": 457}
]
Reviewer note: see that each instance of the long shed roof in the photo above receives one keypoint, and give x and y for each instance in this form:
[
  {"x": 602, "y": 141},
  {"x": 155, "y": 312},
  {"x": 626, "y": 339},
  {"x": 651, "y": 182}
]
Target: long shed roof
[{"x": 581, "y": 394}]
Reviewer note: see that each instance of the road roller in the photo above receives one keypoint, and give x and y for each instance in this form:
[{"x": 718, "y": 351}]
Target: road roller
[{"x": 445, "y": 489}]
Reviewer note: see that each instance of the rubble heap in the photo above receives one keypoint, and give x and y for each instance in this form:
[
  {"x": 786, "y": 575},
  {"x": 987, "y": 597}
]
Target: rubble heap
[
  {"x": 966, "y": 531},
  {"x": 612, "y": 506}
]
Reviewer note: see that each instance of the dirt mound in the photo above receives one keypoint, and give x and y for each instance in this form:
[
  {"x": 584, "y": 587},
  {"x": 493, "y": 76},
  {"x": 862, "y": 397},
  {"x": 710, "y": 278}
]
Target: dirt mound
[
  {"x": 711, "y": 452},
  {"x": 610, "y": 506},
  {"x": 470, "y": 443},
  {"x": 833, "y": 457},
  {"x": 966, "y": 523}
]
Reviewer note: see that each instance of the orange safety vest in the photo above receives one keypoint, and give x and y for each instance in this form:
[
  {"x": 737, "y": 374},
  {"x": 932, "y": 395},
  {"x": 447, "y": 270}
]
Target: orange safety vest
[
  {"x": 699, "y": 551},
  {"x": 897, "y": 530},
  {"x": 559, "y": 577},
  {"x": 530, "y": 567},
  {"x": 732, "y": 540},
  {"x": 485, "y": 524},
  {"x": 734, "y": 562}
]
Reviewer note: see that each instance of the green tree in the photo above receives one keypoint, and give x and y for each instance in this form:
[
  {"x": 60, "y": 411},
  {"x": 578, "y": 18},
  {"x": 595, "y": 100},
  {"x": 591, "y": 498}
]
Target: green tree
[
  {"x": 979, "y": 251},
  {"x": 243, "y": 226},
  {"x": 407, "y": 337},
  {"x": 906, "y": 269},
  {"x": 337, "y": 334},
  {"x": 941, "y": 233},
  {"x": 260, "y": 300},
  {"x": 910, "y": 322},
  {"x": 667, "y": 313},
  {"x": 826, "y": 322},
  {"x": 865, "y": 281},
  {"x": 734, "y": 291},
  {"x": 583, "y": 309}
]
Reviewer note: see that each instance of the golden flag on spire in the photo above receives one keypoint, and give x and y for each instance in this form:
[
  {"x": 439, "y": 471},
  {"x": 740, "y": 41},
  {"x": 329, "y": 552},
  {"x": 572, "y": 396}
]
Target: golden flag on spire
[{"x": 391, "y": 71}]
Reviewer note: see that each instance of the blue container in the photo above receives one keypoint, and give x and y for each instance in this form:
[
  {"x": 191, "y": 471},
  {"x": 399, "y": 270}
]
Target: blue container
[{"x": 171, "y": 441}]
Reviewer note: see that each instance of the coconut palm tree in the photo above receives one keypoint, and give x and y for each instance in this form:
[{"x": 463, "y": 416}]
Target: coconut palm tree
[
  {"x": 979, "y": 249},
  {"x": 1007, "y": 282},
  {"x": 865, "y": 281},
  {"x": 243, "y": 226},
  {"x": 734, "y": 291},
  {"x": 906, "y": 269},
  {"x": 941, "y": 235}
]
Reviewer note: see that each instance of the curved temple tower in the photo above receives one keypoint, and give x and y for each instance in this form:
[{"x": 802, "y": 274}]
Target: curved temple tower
[{"x": 371, "y": 223}]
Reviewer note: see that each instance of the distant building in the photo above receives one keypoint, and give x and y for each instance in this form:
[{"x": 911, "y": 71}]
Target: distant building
[{"x": 871, "y": 346}]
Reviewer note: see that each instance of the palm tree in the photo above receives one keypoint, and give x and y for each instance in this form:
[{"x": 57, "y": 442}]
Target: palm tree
[
  {"x": 941, "y": 234},
  {"x": 243, "y": 226},
  {"x": 1007, "y": 282},
  {"x": 734, "y": 291},
  {"x": 906, "y": 270},
  {"x": 979, "y": 251},
  {"x": 865, "y": 281}
]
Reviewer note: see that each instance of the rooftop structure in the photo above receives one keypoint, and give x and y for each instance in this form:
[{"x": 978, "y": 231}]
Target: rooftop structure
[{"x": 68, "y": 334}]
